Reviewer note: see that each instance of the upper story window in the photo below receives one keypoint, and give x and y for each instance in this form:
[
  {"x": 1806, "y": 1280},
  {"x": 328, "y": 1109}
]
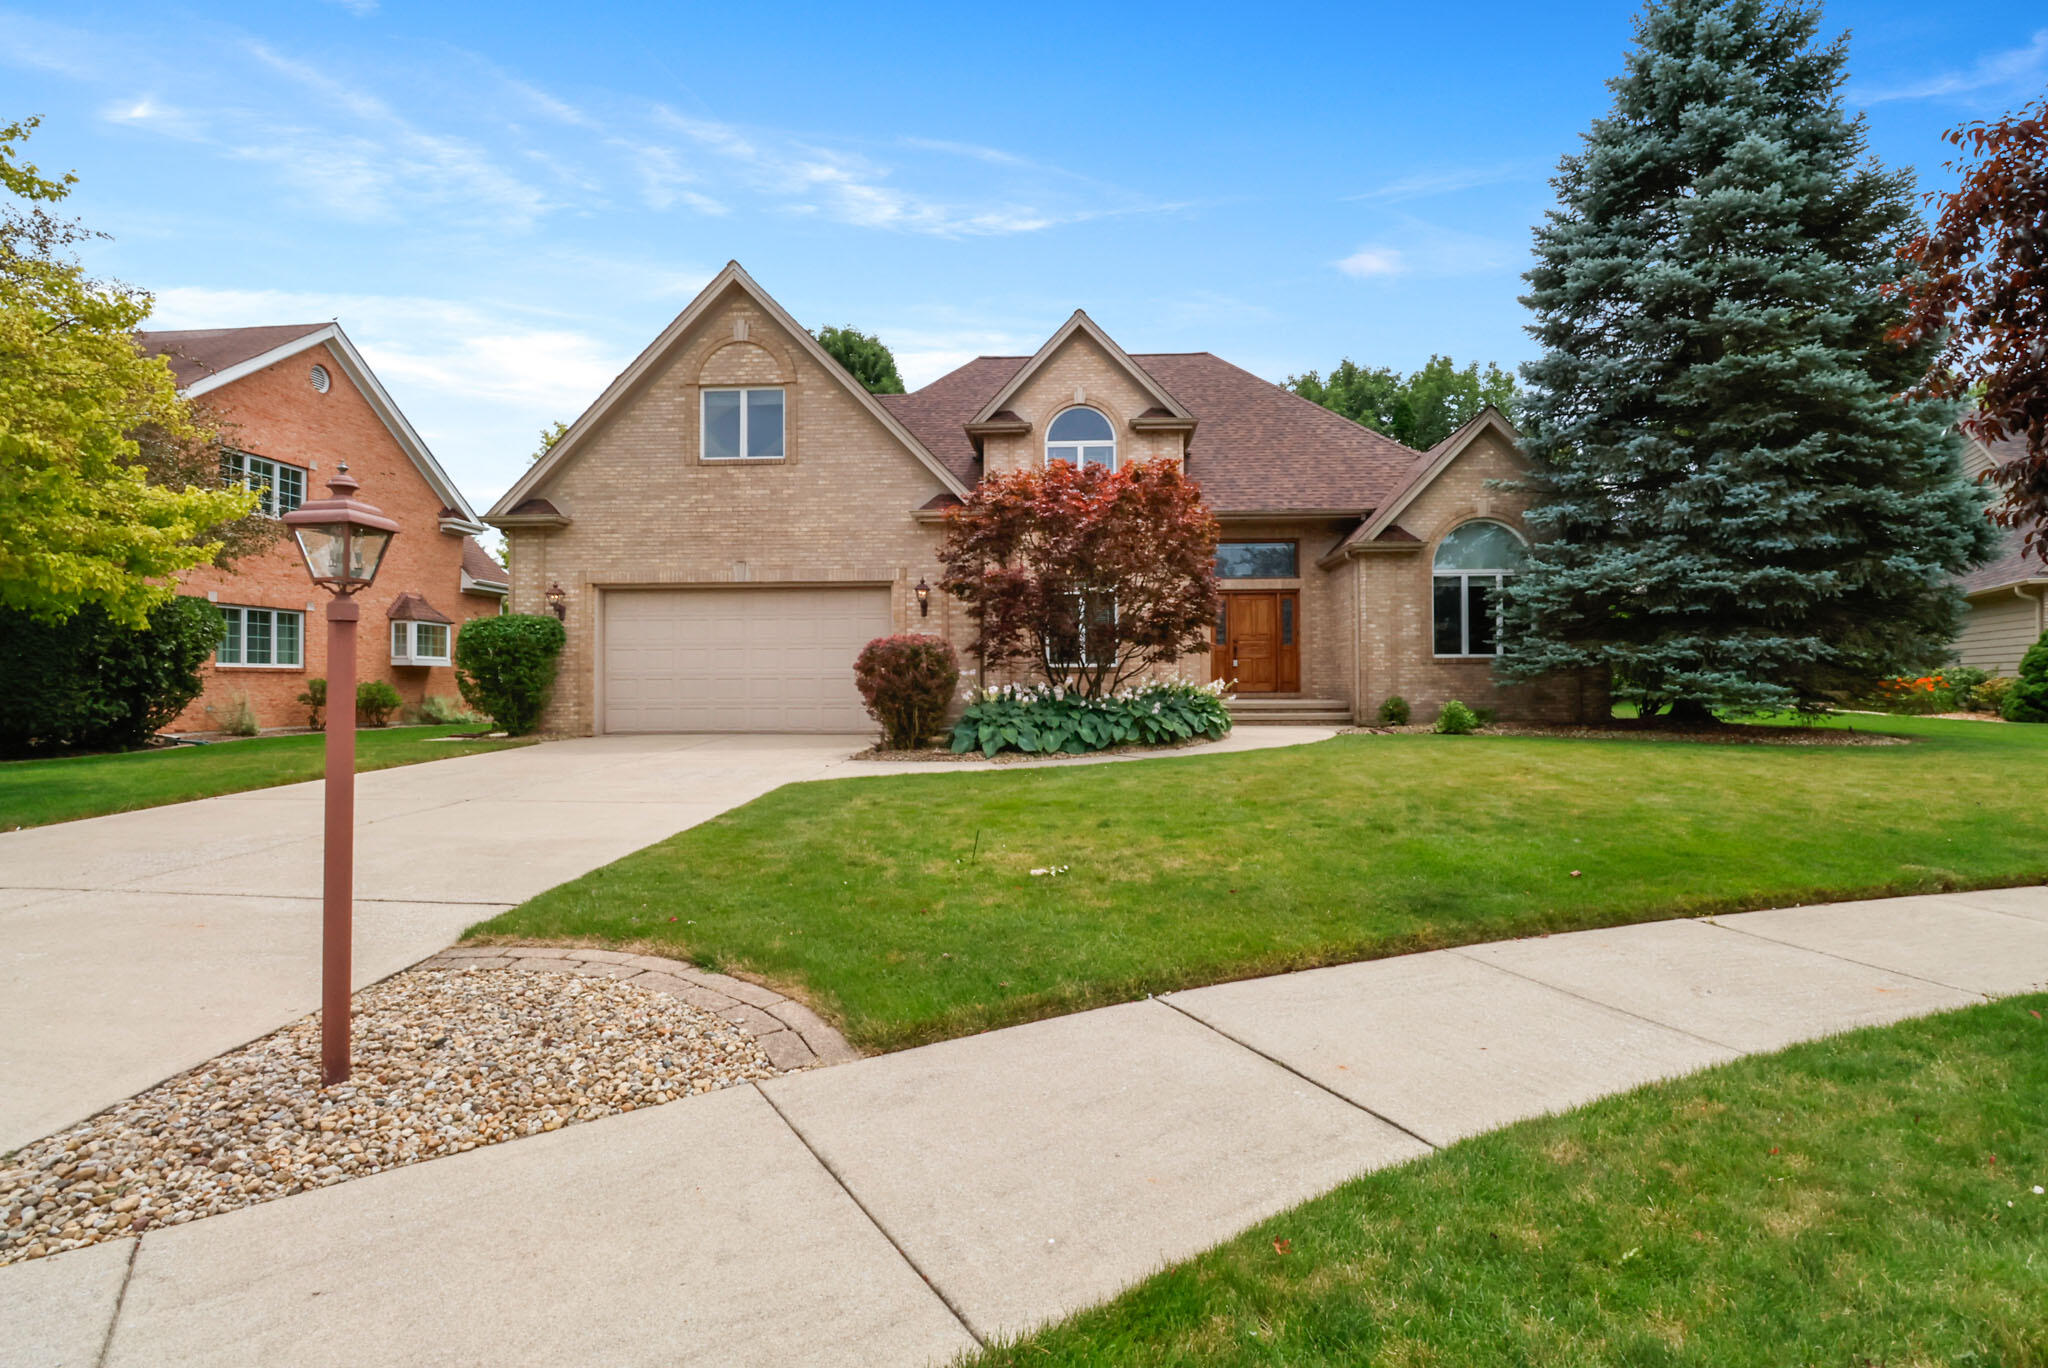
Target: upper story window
[
  {"x": 1472, "y": 565},
  {"x": 279, "y": 487},
  {"x": 1081, "y": 437},
  {"x": 743, "y": 425},
  {"x": 1256, "y": 560}
]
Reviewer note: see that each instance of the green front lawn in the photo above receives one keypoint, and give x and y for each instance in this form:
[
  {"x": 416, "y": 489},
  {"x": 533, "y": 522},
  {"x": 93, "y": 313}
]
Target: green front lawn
[
  {"x": 905, "y": 906},
  {"x": 38, "y": 792},
  {"x": 1872, "y": 1199}
]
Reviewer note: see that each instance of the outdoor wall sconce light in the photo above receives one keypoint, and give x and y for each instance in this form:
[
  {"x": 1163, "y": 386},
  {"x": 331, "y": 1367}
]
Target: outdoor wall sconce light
[
  {"x": 343, "y": 541},
  {"x": 558, "y": 599},
  {"x": 924, "y": 597}
]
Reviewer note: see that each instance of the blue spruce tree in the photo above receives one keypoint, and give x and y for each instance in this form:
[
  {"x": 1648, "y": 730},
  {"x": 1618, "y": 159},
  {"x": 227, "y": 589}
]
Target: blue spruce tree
[{"x": 1735, "y": 510}]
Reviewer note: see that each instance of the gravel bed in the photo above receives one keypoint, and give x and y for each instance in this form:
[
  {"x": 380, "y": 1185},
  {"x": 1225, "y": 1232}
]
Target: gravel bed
[{"x": 445, "y": 1060}]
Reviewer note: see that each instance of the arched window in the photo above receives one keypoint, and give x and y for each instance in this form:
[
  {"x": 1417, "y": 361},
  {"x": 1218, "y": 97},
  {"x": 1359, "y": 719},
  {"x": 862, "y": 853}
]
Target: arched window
[
  {"x": 1081, "y": 437},
  {"x": 1472, "y": 564}
]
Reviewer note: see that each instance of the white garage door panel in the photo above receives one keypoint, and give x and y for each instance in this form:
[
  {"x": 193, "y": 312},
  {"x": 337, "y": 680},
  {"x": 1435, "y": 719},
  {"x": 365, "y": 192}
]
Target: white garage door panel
[{"x": 760, "y": 660}]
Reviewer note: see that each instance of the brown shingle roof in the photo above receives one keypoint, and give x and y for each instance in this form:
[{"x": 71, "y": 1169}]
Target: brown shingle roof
[
  {"x": 199, "y": 352},
  {"x": 1257, "y": 447},
  {"x": 938, "y": 414},
  {"x": 412, "y": 607},
  {"x": 480, "y": 564}
]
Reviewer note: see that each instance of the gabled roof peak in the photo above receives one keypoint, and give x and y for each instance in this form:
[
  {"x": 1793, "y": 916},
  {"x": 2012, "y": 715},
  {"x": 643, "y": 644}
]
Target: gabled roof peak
[{"x": 1080, "y": 322}]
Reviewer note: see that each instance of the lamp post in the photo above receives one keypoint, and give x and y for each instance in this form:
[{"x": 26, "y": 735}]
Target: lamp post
[{"x": 343, "y": 541}]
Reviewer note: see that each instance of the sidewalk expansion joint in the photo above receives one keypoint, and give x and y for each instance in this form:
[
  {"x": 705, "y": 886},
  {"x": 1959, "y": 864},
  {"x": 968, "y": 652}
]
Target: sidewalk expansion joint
[
  {"x": 120, "y": 1296},
  {"x": 1283, "y": 1065},
  {"x": 1847, "y": 959},
  {"x": 1461, "y": 952},
  {"x": 873, "y": 1220}
]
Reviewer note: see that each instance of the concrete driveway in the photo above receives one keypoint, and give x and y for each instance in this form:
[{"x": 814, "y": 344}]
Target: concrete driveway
[{"x": 138, "y": 945}]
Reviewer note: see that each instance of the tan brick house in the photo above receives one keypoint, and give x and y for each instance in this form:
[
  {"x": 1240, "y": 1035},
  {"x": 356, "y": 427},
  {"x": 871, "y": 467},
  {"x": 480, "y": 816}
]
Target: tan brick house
[
  {"x": 734, "y": 517},
  {"x": 297, "y": 400}
]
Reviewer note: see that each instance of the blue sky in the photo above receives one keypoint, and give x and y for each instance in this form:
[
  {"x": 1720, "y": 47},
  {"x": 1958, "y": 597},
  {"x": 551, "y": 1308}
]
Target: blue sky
[{"x": 503, "y": 203}]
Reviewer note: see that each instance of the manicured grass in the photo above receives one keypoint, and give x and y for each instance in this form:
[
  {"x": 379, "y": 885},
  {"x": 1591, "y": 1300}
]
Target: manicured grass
[
  {"x": 1865, "y": 1200},
  {"x": 906, "y": 907},
  {"x": 38, "y": 792}
]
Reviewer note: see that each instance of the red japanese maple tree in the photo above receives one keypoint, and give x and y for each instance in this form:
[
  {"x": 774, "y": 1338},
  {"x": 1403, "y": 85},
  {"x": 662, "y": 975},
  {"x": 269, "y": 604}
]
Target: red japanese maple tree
[
  {"x": 1982, "y": 280},
  {"x": 1085, "y": 577}
]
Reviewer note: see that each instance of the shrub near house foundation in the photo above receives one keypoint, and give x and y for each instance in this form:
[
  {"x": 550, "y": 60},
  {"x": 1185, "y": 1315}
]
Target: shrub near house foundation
[
  {"x": 505, "y": 667},
  {"x": 907, "y": 681},
  {"x": 87, "y": 683}
]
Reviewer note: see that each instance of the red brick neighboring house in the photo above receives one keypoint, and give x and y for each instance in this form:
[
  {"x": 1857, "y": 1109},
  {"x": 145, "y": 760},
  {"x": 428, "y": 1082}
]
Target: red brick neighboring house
[{"x": 299, "y": 400}]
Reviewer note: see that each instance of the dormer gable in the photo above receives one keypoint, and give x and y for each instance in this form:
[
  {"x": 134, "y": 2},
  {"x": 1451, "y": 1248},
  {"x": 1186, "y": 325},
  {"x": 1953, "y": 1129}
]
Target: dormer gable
[{"x": 1080, "y": 398}]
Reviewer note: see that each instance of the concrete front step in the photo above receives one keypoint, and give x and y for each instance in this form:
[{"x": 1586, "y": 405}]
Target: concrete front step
[{"x": 1299, "y": 712}]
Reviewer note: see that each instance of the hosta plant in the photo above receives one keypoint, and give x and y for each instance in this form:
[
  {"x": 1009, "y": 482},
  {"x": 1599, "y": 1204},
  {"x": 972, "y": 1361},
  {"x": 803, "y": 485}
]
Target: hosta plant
[{"x": 1045, "y": 719}]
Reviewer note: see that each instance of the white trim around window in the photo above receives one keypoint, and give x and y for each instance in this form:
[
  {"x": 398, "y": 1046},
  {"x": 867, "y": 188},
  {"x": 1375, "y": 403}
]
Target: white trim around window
[
  {"x": 261, "y": 638},
  {"x": 280, "y": 488},
  {"x": 743, "y": 424},
  {"x": 421, "y": 643},
  {"x": 1081, "y": 436}
]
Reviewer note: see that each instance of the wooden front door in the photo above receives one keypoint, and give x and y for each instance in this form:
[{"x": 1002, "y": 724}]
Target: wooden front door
[{"x": 1258, "y": 641}]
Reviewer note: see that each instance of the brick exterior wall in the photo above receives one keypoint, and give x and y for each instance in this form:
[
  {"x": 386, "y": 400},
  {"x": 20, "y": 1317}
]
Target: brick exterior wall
[
  {"x": 1396, "y": 650},
  {"x": 1080, "y": 372},
  {"x": 646, "y": 510},
  {"x": 276, "y": 413}
]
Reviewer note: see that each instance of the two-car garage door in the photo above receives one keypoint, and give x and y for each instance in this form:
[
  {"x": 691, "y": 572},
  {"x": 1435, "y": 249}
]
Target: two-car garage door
[{"x": 737, "y": 660}]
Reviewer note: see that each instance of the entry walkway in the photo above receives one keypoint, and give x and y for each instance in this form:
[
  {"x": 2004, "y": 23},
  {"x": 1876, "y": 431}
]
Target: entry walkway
[{"x": 896, "y": 1210}]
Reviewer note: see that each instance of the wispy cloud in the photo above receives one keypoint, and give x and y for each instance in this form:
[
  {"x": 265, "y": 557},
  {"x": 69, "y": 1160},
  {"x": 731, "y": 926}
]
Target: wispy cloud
[
  {"x": 1367, "y": 262},
  {"x": 1417, "y": 248},
  {"x": 389, "y": 161},
  {"x": 361, "y": 9},
  {"x": 2013, "y": 70},
  {"x": 148, "y": 112},
  {"x": 1449, "y": 180}
]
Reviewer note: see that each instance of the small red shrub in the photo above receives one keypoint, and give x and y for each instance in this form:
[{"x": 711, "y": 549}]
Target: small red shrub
[{"x": 907, "y": 681}]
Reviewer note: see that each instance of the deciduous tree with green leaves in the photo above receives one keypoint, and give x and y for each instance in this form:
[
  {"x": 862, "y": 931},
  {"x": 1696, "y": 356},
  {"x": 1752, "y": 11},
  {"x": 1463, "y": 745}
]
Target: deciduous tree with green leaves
[
  {"x": 1735, "y": 509},
  {"x": 81, "y": 522},
  {"x": 1416, "y": 410},
  {"x": 865, "y": 357}
]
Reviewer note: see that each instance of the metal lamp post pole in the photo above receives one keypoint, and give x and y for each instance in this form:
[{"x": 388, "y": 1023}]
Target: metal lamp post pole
[{"x": 338, "y": 883}]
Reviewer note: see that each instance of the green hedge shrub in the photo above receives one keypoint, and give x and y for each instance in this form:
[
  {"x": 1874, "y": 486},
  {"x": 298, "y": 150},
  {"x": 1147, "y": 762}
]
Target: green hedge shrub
[
  {"x": 2027, "y": 698},
  {"x": 1394, "y": 712},
  {"x": 1455, "y": 719},
  {"x": 907, "y": 681},
  {"x": 1041, "y": 719},
  {"x": 87, "y": 684},
  {"x": 376, "y": 700},
  {"x": 505, "y": 667}
]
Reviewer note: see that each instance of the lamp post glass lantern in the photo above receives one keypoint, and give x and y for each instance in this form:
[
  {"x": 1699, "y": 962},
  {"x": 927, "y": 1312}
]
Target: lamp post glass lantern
[{"x": 343, "y": 541}]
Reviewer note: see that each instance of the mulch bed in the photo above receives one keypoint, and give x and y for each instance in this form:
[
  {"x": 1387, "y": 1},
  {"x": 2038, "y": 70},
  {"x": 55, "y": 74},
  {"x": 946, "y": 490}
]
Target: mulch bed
[
  {"x": 1720, "y": 734},
  {"x": 445, "y": 1060}
]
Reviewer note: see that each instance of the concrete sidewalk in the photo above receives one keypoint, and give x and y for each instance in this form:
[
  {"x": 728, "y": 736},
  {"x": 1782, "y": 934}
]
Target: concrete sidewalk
[
  {"x": 135, "y": 946},
  {"x": 900, "y": 1209}
]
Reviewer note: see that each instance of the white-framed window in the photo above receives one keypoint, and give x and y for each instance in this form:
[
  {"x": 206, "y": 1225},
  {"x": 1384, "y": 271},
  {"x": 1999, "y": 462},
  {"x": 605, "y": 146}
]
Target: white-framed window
[
  {"x": 1087, "y": 639},
  {"x": 420, "y": 643},
  {"x": 265, "y": 638},
  {"x": 279, "y": 487},
  {"x": 1082, "y": 437},
  {"x": 743, "y": 425},
  {"x": 1472, "y": 565}
]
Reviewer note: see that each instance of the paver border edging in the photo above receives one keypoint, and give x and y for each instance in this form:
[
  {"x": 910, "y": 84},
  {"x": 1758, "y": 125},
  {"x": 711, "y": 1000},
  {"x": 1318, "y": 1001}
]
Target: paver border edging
[{"x": 790, "y": 1034}]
